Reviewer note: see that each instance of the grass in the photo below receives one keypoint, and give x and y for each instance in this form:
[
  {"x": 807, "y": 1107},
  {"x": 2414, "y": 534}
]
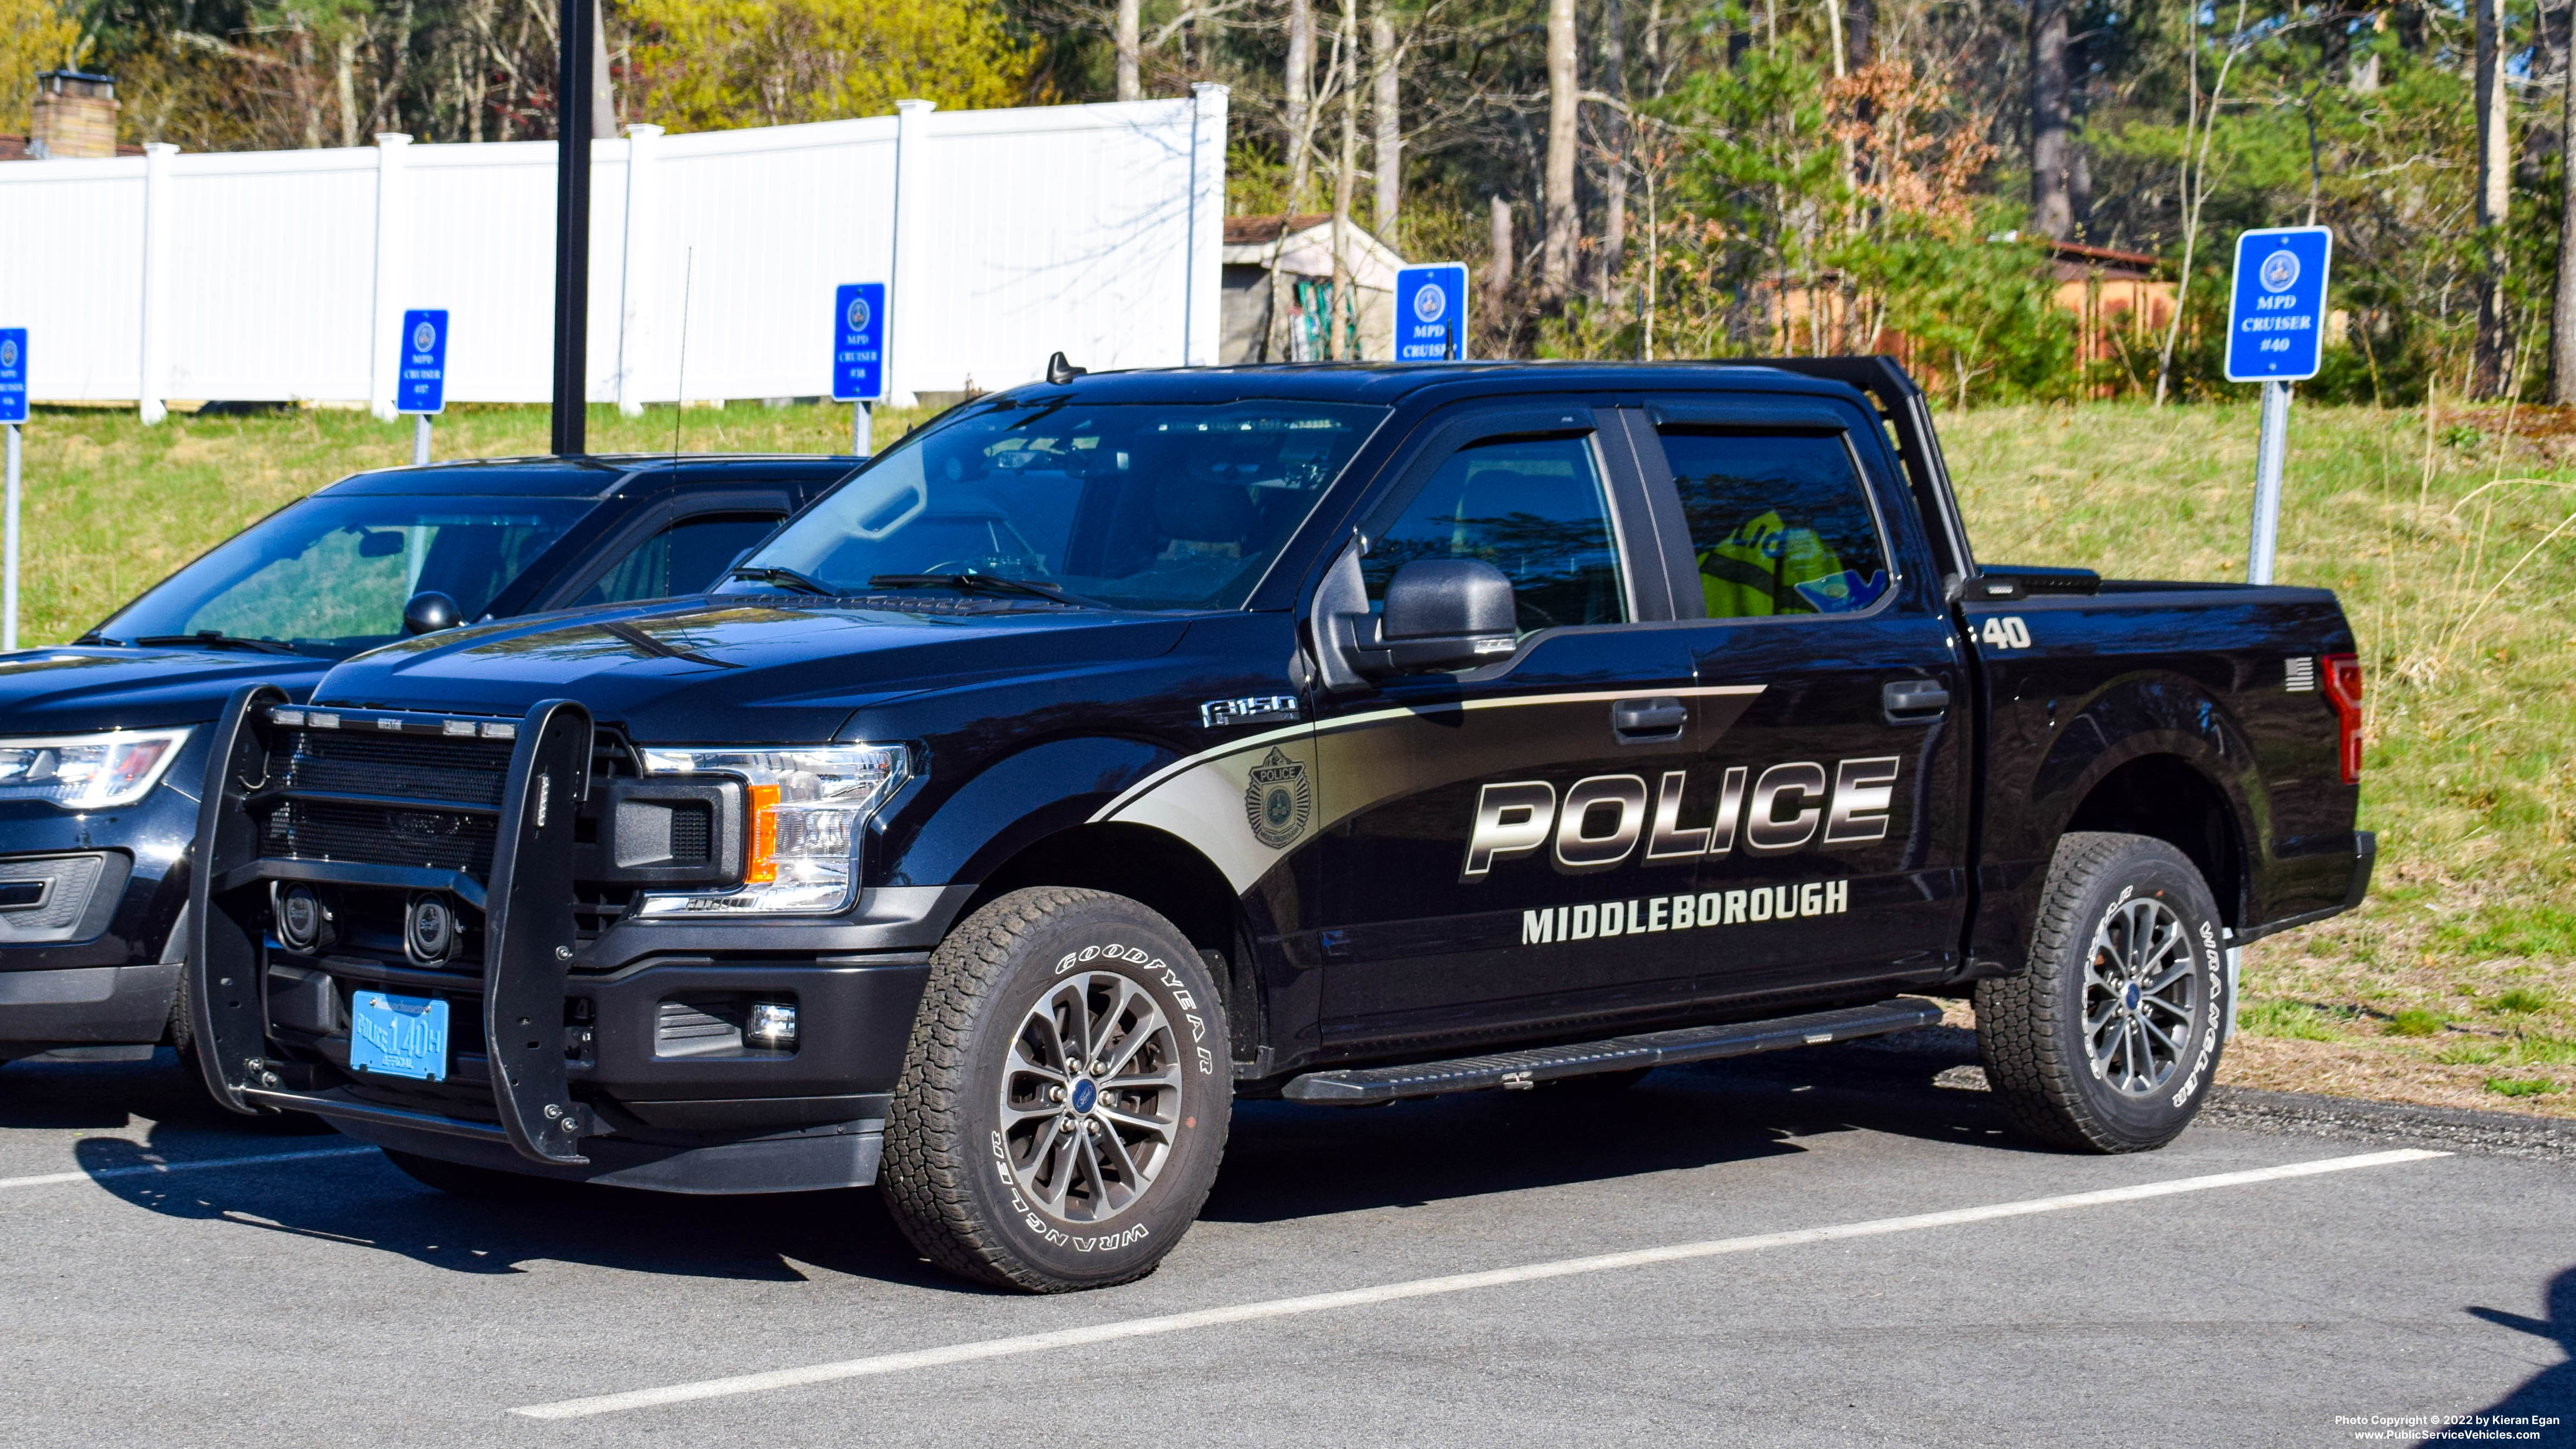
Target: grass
[
  {"x": 2452, "y": 542},
  {"x": 2451, "y": 539}
]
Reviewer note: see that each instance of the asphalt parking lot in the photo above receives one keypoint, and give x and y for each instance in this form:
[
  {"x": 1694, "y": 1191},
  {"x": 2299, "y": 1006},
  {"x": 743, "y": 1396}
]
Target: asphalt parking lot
[{"x": 2244, "y": 1286}]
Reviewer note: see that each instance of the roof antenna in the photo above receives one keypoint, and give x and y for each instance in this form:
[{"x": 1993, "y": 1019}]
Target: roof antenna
[
  {"x": 1061, "y": 372},
  {"x": 680, "y": 403}
]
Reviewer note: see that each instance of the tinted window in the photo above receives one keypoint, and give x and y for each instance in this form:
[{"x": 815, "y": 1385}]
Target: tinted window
[
  {"x": 1153, "y": 506},
  {"x": 330, "y": 575},
  {"x": 1532, "y": 507},
  {"x": 684, "y": 558},
  {"x": 1780, "y": 523}
]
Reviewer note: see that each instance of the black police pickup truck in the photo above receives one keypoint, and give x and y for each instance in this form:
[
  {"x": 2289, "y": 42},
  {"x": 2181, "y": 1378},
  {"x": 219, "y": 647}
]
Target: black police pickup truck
[
  {"x": 102, "y": 742},
  {"x": 1113, "y": 748}
]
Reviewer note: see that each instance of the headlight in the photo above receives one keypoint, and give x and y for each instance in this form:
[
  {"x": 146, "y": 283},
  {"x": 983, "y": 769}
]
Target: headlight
[
  {"x": 88, "y": 772},
  {"x": 807, "y": 811}
]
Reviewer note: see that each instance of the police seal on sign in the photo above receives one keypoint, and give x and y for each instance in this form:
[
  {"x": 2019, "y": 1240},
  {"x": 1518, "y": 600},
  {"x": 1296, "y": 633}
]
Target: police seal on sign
[{"x": 1278, "y": 802}]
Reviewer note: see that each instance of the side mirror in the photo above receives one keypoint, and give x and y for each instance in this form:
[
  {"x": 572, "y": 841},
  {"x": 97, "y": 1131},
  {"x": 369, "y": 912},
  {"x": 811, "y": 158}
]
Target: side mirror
[
  {"x": 430, "y": 611},
  {"x": 1442, "y": 613}
]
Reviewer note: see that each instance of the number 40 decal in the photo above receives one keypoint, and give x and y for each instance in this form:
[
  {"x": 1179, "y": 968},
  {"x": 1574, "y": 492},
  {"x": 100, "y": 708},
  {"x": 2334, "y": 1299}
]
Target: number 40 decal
[{"x": 2005, "y": 632}]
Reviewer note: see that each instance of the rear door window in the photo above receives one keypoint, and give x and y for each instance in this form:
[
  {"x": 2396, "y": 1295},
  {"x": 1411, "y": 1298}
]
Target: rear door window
[{"x": 1780, "y": 522}]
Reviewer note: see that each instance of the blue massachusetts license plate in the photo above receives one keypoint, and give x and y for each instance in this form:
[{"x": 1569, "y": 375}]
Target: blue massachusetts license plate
[{"x": 398, "y": 1036}]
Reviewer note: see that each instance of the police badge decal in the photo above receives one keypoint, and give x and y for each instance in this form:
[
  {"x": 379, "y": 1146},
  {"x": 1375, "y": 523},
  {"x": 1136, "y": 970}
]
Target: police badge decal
[{"x": 1278, "y": 801}]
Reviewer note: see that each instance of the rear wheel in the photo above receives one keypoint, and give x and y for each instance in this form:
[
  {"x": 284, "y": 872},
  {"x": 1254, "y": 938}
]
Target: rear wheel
[
  {"x": 1065, "y": 1097},
  {"x": 2108, "y": 1042}
]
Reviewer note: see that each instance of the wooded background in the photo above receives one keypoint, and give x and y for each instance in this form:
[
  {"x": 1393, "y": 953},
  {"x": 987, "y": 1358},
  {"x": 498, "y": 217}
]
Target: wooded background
[{"x": 1628, "y": 178}]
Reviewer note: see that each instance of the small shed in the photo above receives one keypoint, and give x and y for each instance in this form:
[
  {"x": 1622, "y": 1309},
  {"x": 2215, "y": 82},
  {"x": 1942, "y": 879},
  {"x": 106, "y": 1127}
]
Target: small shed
[{"x": 1279, "y": 290}]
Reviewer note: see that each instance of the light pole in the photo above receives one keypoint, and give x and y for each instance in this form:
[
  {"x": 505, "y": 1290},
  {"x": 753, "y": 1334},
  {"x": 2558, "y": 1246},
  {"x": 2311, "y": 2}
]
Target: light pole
[{"x": 572, "y": 221}]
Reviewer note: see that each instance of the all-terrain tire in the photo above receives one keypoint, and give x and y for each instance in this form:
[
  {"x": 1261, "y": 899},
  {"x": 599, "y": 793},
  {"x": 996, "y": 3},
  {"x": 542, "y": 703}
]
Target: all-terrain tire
[
  {"x": 995, "y": 1187},
  {"x": 2052, "y": 1038}
]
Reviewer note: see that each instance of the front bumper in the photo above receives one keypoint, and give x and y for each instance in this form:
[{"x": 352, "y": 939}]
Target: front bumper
[
  {"x": 101, "y": 980},
  {"x": 603, "y": 1059}
]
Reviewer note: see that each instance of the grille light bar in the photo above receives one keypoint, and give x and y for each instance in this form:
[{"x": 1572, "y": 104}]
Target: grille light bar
[{"x": 316, "y": 719}]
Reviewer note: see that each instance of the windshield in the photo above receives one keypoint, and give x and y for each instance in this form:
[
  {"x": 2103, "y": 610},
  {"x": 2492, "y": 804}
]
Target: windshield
[
  {"x": 1146, "y": 506},
  {"x": 330, "y": 576}
]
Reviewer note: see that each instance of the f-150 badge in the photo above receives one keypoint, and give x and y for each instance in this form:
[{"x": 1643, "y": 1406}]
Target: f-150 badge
[{"x": 1279, "y": 801}]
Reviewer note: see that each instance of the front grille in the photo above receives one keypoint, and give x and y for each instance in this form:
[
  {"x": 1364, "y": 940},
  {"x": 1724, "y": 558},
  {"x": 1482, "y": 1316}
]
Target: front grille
[
  {"x": 411, "y": 775},
  {"x": 346, "y": 762},
  {"x": 434, "y": 839}
]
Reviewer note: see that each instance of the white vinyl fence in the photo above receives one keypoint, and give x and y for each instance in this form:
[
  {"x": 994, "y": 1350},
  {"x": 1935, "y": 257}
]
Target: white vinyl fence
[{"x": 283, "y": 275}]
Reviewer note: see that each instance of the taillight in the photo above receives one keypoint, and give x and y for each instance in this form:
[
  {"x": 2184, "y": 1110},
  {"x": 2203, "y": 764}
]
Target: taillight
[{"x": 2343, "y": 686}]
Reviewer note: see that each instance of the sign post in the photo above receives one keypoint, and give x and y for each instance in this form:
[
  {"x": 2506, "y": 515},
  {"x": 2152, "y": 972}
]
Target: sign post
[
  {"x": 420, "y": 382},
  {"x": 1431, "y": 313},
  {"x": 858, "y": 355},
  {"x": 13, "y": 411},
  {"x": 2276, "y": 324}
]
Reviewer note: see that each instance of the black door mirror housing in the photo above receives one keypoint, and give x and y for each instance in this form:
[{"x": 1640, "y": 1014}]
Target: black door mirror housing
[
  {"x": 1440, "y": 614},
  {"x": 430, "y": 611}
]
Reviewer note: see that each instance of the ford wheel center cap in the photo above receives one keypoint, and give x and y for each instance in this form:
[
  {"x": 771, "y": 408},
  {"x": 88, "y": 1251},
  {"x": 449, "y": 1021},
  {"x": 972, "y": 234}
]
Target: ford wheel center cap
[{"x": 1085, "y": 1093}]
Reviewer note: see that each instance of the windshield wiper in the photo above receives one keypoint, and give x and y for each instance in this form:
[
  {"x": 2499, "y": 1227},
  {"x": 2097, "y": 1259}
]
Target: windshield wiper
[
  {"x": 772, "y": 573},
  {"x": 212, "y": 639},
  {"x": 983, "y": 584}
]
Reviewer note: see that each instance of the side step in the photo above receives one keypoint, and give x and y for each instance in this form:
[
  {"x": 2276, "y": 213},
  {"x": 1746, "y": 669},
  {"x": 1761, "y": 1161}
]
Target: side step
[{"x": 1368, "y": 1086}]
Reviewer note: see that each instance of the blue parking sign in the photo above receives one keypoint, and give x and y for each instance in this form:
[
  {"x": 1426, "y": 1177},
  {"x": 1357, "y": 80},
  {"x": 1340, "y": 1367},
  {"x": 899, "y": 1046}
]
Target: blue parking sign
[
  {"x": 1431, "y": 313},
  {"x": 858, "y": 342},
  {"x": 2276, "y": 319},
  {"x": 13, "y": 374},
  {"x": 420, "y": 384}
]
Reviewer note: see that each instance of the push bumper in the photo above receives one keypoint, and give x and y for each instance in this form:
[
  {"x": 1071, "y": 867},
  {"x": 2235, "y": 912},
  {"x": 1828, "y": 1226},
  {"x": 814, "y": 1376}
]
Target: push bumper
[{"x": 565, "y": 1060}]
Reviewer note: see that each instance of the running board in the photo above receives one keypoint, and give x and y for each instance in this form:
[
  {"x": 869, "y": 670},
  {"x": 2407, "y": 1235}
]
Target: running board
[{"x": 1520, "y": 1070}]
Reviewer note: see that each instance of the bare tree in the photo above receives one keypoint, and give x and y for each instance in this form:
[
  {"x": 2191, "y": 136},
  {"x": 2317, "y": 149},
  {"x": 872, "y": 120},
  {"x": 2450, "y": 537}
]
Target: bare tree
[
  {"x": 1614, "y": 126},
  {"x": 1298, "y": 79},
  {"x": 2052, "y": 208},
  {"x": 1556, "y": 261},
  {"x": 603, "y": 93},
  {"x": 1130, "y": 15},
  {"x": 1386, "y": 152},
  {"x": 1346, "y": 65},
  {"x": 2495, "y": 160},
  {"x": 1498, "y": 256}
]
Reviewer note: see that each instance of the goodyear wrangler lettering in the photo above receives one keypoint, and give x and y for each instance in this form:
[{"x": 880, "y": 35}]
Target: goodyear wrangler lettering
[
  {"x": 1550, "y": 925},
  {"x": 1600, "y": 821}
]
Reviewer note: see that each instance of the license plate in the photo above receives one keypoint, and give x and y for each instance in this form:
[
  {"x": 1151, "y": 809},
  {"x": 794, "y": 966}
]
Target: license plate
[{"x": 399, "y": 1036}]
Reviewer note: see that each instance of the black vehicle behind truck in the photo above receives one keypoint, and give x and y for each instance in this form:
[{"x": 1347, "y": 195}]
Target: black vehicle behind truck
[
  {"x": 1113, "y": 748},
  {"x": 102, "y": 741}
]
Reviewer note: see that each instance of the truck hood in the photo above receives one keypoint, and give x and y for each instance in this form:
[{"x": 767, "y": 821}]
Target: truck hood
[
  {"x": 732, "y": 670},
  {"x": 72, "y": 690}
]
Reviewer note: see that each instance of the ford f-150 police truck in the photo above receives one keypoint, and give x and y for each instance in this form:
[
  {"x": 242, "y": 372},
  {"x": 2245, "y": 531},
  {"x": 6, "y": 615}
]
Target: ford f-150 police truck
[{"x": 1121, "y": 745}]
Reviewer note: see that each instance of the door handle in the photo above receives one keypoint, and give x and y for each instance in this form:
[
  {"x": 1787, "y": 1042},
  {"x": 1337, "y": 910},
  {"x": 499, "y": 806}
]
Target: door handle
[
  {"x": 1642, "y": 721},
  {"x": 1913, "y": 701}
]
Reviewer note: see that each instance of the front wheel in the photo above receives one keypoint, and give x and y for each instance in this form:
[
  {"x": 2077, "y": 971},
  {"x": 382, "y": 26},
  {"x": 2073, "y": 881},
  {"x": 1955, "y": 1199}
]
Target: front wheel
[
  {"x": 1064, "y": 1100},
  {"x": 2108, "y": 1041}
]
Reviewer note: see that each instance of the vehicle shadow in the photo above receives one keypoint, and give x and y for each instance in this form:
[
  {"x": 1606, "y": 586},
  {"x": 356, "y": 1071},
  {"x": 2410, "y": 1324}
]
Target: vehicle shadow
[
  {"x": 1286, "y": 1161},
  {"x": 2552, "y": 1391},
  {"x": 105, "y": 1096},
  {"x": 363, "y": 1200},
  {"x": 1289, "y": 1160}
]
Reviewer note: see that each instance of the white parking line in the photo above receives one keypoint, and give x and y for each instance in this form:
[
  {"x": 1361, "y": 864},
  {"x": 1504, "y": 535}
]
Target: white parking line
[
  {"x": 155, "y": 1169},
  {"x": 1427, "y": 1287}
]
